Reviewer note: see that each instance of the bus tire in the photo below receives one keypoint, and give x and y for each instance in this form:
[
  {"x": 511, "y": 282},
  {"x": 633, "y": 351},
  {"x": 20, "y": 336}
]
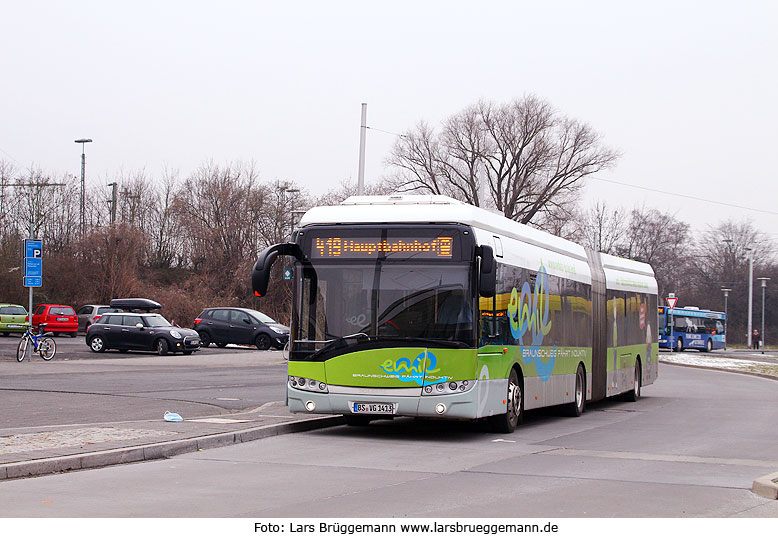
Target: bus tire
[
  {"x": 709, "y": 346},
  {"x": 507, "y": 422},
  {"x": 634, "y": 394},
  {"x": 679, "y": 345},
  {"x": 576, "y": 408}
]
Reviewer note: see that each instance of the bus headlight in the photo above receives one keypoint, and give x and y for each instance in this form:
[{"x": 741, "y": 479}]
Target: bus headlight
[
  {"x": 450, "y": 387},
  {"x": 311, "y": 385}
]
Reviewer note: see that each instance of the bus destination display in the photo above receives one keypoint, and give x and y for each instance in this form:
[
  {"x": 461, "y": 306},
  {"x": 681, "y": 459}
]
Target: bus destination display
[{"x": 336, "y": 247}]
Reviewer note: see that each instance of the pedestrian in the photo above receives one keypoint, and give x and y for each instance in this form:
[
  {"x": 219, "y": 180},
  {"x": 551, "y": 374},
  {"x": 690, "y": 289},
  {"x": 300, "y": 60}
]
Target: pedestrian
[{"x": 755, "y": 339}]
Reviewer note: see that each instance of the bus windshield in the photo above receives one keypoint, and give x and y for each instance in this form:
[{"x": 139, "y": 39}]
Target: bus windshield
[{"x": 365, "y": 304}]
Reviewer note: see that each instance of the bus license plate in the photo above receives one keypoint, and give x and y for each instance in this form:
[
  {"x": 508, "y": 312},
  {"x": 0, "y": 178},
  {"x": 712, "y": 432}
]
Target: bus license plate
[{"x": 374, "y": 408}]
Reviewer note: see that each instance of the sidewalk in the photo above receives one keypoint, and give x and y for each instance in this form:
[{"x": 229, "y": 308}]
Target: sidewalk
[{"x": 52, "y": 449}]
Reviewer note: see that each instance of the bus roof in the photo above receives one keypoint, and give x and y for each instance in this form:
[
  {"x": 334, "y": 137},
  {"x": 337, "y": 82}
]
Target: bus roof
[
  {"x": 401, "y": 208},
  {"x": 433, "y": 209},
  {"x": 688, "y": 312}
]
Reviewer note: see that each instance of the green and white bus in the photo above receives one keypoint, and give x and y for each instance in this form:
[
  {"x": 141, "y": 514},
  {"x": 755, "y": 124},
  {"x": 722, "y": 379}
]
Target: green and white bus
[{"x": 426, "y": 306}]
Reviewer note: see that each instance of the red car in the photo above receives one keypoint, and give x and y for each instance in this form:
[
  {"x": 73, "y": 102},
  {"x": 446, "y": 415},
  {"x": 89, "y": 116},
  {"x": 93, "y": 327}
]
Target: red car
[{"x": 57, "y": 318}]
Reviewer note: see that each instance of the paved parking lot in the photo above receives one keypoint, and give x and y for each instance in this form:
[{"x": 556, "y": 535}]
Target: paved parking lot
[{"x": 74, "y": 348}]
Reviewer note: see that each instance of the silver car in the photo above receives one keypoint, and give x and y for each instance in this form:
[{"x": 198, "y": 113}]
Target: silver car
[{"x": 88, "y": 314}]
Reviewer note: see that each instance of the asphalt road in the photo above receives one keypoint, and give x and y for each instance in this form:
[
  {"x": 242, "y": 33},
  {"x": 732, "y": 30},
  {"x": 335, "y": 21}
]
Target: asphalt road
[
  {"x": 81, "y": 387},
  {"x": 690, "y": 447}
]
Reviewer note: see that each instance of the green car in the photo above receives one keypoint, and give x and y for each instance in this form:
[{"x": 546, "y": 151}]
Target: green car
[{"x": 13, "y": 318}]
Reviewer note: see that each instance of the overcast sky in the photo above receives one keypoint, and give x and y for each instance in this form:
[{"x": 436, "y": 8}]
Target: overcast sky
[{"x": 685, "y": 90}]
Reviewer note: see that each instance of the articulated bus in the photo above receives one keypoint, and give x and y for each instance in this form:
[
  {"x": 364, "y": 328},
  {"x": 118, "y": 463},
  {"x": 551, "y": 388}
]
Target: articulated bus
[
  {"x": 692, "y": 328},
  {"x": 424, "y": 306}
]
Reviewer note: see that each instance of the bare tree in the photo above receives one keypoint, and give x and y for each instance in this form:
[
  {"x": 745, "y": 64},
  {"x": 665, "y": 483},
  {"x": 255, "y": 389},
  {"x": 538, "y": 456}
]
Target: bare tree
[
  {"x": 603, "y": 229},
  {"x": 528, "y": 157}
]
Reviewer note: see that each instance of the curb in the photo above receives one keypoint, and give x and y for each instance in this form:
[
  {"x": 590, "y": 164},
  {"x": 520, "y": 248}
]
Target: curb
[
  {"x": 133, "y": 454},
  {"x": 766, "y": 486},
  {"x": 725, "y": 370}
]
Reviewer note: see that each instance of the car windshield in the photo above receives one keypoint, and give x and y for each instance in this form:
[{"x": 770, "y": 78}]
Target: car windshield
[
  {"x": 62, "y": 311},
  {"x": 156, "y": 320},
  {"x": 107, "y": 309},
  {"x": 13, "y": 310},
  {"x": 261, "y": 316}
]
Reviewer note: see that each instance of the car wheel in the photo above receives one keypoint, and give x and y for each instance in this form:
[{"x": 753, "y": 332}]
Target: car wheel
[
  {"x": 205, "y": 339},
  {"x": 262, "y": 342},
  {"x": 5, "y": 334},
  {"x": 96, "y": 344},
  {"x": 161, "y": 346},
  {"x": 74, "y": 334},
  {"x": 187, "y": 353},
  {"x": 221, "y": 345}
]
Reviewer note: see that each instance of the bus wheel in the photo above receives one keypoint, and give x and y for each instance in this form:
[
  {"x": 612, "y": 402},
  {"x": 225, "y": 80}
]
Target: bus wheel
[
  {"x": 679, "y": 345},
  {"x": 506, "y": 423},
  {"x": 576, "y": 408},
  {"x": 634, "y": 394},
  {"x": 709, "y": 346}
]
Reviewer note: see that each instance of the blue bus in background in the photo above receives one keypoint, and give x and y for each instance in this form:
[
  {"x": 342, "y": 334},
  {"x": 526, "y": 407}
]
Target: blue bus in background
[{"x": 692, "y": 328}]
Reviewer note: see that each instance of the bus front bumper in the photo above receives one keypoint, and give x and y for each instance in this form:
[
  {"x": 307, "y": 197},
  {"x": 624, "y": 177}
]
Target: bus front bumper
[{"x": 483, "y": 399}]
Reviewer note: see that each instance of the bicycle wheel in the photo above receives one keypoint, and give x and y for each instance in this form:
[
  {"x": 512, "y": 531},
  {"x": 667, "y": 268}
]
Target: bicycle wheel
[
  {"x": 47, "y": 348},
  {"x": 21, "y": 350}
]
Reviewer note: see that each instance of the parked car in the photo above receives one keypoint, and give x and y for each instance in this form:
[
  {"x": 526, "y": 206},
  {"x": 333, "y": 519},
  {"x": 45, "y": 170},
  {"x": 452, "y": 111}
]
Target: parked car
[
  {"x": 13, "y": 318},
  {"x": 140, "y": 331},
  {"x": 240, "y": 326},
  {"x": 59, "y": 319},
  {"x": 90, "y": 313}
]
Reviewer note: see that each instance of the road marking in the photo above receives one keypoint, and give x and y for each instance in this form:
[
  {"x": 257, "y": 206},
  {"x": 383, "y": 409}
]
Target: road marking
[
  {"x": 661, "y": 457},
  {"x": 218, "y": 420}
]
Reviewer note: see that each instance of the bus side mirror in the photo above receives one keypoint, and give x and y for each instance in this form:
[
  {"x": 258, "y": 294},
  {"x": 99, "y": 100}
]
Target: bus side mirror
[
  {"x": 260, "y": 276},
  {"x": 488, "y": 275}
]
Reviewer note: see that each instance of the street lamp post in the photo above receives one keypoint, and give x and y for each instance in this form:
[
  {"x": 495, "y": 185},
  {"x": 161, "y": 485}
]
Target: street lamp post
[
  {"x": 83, "y": 142},
  {"x": 726, "y": 317},
  {"x": 292, "y": 191},
  {"x": 764, "y": 281},
  {"x": 750, "y": 293}
]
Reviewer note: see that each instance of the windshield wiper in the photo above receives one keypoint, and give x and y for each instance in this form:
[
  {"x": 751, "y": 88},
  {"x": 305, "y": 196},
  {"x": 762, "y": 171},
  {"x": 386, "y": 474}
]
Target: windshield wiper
[
  {"x": 337, "y": 343},
  {"x": 451, "y": 343}
]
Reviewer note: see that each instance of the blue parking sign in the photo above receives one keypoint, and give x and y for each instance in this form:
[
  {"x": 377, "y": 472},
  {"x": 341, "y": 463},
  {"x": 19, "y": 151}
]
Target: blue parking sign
[
  {"x": 33, "y": 249},
  {"x": 33, "y": 267},
  {"x": 33, "y": 281},
  {"x": 33, "y": 263}
]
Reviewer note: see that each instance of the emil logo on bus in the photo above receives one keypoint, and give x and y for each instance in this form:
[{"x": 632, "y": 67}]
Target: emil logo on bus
[
  {"x": 530, "y": 311},
  {"x": 408, "y": 371}
]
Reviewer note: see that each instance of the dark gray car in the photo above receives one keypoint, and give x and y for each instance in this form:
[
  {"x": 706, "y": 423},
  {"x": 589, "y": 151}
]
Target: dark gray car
[{"x": 240, "y": 326}]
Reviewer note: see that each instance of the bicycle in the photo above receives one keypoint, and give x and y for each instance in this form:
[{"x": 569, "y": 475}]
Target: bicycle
[{"x": 42, "y": 344}]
